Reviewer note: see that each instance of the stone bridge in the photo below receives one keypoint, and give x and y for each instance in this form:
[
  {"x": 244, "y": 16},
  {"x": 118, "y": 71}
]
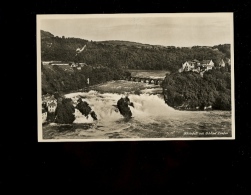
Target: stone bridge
[{"x": 155, "y": 81}]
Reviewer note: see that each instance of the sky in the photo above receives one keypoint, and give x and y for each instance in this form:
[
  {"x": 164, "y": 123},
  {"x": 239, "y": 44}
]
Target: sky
[{"x": 181, "y": 30}]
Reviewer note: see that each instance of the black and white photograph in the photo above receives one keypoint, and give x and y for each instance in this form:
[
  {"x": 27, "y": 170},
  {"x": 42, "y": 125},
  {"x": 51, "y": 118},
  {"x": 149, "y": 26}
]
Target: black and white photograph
[{"x": 135, "y": 77}]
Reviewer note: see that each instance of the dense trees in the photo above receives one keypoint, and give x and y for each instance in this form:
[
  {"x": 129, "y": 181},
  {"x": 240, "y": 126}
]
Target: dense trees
[
  {"x": 57, "y": 79},
  {"x": 190, "y": 90},
  {"x": 123, "y": 54},
  {"x": 224, "y": 49}
]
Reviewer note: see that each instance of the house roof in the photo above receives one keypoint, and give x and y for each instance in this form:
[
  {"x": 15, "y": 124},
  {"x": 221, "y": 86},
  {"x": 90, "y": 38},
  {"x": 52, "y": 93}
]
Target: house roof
[
  {"x": 196, "y": 61},
  {"x": 227, "y": 60},
  {"x": 221, "y": 61},
  {"x": 205, "y": 61},
  {"x": 52, "y": 98},
  {"x": 56, "y": 61},
  {"x": 189, "y": 62},
  {"x": 52, "y": 104},
  {"x": 46, "y": 95}
]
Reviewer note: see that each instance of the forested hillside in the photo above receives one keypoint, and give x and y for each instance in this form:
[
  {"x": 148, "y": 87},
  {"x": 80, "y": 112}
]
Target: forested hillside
[
  {"x": 59, "y": 79},
  {"x": 124, "y": 54},
  {"x": 190, "y": 90}
]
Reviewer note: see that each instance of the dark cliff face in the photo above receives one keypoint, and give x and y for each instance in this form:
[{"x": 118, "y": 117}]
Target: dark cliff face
[{"x": 188, "y": 90}]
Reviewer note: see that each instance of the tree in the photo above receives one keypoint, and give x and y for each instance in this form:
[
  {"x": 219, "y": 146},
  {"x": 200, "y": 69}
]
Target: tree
[{"x": 189, "y": 89}]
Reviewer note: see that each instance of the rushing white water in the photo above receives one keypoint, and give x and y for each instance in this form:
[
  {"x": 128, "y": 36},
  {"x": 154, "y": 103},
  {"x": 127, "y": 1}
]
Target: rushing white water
[
  {"x": 152, "y": 118},
  {"x": 145, "y": 105}
]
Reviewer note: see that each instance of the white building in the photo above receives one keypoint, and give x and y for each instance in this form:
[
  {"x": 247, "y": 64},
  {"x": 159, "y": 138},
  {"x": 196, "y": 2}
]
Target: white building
[
  {"x": 207, "y": 64},
  {"x": 228, "y": 61},
  {"x": 73, "y": 65},
  {"x": 59, "y": 63},
  {"x": 46, "y": 62},
  {"x": 188, "y": 65},
  {"x": 81, "y": 64},
  {"x": 222, "y": 63},
  {"x": 52, "y": 107},
  {"x": 50, "y": 100}
]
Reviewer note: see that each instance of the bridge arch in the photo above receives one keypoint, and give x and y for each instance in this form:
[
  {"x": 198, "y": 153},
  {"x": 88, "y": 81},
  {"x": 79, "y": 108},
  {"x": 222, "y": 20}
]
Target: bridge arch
[
  {"x": 151, "y": 81},
  {"x": 145, "y": 80},
  {"x": 159, "y": 82}
]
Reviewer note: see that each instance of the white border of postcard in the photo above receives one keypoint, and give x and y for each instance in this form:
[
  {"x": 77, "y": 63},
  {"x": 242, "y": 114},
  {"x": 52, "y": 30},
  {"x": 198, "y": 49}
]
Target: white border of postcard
[{"x": 74, "y": 16}]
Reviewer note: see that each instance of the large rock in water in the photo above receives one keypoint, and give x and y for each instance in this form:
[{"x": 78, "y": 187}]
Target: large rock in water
[
  {"x": 85, "y": 109},
  {"x": 64, "y": 113},
  {"x": 123, "y": 106}
]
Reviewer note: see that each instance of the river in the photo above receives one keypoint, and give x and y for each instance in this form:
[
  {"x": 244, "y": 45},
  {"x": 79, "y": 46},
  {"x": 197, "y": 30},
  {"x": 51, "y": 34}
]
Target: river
[{"x": 152, "y": 118}]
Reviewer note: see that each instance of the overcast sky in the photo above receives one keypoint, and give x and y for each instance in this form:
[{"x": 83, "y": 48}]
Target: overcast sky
[{"x": 182, "y": 30}]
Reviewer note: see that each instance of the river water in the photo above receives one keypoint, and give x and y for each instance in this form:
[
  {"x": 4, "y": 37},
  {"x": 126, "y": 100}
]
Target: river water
[{"x": 152, "y": 118}]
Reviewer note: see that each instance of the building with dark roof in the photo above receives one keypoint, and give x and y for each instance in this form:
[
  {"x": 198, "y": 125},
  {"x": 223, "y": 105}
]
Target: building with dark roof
[{"x": 208, "y": 64}]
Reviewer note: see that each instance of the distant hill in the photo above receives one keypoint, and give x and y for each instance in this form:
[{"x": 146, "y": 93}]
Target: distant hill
[
  {"x": 225, "y": 48},
  {"x": 126, "y": 54},
  {"x": 45, "y": 34},
  {"x": 129, "y": 43}
]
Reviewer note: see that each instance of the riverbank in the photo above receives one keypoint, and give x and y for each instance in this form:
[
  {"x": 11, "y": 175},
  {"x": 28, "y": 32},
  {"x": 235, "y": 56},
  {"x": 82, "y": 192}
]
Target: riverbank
[
  {"x": 123, "y": 86},
  {"x": 149, "y": 73}
]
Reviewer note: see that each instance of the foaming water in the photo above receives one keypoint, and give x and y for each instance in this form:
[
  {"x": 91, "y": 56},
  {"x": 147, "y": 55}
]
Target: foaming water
[{"x": 152, "y": 118}]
